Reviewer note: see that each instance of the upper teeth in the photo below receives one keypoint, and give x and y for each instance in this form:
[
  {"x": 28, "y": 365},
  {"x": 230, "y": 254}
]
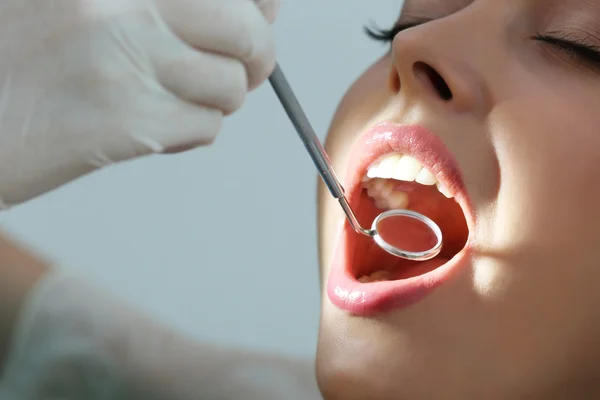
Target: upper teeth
[{"x": 402, "y": 168}]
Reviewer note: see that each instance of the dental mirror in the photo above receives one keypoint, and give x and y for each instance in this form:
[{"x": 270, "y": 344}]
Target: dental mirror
[
  {"x": 386, "y": 234},
  {"x": 389, "y": 239}
]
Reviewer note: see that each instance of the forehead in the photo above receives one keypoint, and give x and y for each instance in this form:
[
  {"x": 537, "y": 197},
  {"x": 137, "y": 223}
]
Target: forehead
[{"x": 441, "y": 8}]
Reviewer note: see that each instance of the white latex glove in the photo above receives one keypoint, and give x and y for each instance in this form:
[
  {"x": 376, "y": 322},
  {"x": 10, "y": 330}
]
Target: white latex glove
[
  {"x": 74, "y": 342},
  {"x": 86, "y": 83}
]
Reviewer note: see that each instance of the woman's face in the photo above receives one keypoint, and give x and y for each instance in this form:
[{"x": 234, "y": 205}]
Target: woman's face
[{"x": 498, "y": 101}]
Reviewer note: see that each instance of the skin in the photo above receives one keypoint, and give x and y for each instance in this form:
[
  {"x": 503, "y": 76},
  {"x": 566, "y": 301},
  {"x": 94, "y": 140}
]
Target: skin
[
  {"x": 520, "y": 319},
  {"x": 19, "y": 271}
]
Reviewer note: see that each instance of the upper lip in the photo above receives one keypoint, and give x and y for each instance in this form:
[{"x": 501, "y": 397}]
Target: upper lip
[
  {"x": 384, "y": 138},
  {"x": 412, "y": 140}
]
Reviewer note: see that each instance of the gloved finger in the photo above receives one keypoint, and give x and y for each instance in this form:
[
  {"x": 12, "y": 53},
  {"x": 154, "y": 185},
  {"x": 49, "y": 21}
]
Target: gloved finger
[
  {"x": 269, "y": 8},
  {"x": 236, "y": 28},
  {"x": 164, "y": 123},
  {"x": 208, "y": 79}
]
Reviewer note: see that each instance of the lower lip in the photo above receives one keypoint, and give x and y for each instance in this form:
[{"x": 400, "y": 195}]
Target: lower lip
[{"x": 364, "y": 299}]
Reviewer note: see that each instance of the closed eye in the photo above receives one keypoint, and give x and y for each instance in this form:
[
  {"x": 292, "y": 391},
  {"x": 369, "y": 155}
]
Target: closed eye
[{"x": 582, "y": 49}]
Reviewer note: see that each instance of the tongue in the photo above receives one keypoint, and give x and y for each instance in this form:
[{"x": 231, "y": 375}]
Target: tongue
[{"x": 406, "y": 233}]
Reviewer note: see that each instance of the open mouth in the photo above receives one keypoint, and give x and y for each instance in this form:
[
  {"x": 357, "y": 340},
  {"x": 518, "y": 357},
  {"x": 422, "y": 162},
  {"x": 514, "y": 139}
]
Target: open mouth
[
  {"x": 399, "y": 167},
  {"x": 399, "y": 181}
]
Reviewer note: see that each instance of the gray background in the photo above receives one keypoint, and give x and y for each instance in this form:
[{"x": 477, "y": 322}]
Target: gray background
[{"x": 220, "y": 242}]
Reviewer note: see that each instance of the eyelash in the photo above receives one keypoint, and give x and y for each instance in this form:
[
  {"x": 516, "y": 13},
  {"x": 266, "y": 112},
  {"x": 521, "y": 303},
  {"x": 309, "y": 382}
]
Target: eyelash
[
  {"x": 573, "y": 48},
  {"x": 388, "y": 35},
  {"x": 577, "y": 49}
]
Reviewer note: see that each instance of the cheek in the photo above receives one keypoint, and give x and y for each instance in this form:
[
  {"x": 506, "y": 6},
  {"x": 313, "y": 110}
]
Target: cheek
[
  {"x": 550, "y": 167},
  {"x": 546, "y": 223}
]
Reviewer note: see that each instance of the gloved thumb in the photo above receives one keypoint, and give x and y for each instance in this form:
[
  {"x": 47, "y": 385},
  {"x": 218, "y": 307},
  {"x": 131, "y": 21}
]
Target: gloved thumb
[{"x": 269, "y": 8}]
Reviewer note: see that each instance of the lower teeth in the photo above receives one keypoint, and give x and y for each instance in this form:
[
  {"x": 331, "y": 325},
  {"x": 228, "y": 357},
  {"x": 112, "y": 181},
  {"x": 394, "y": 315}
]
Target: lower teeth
[{"x": 377, "y": 276}]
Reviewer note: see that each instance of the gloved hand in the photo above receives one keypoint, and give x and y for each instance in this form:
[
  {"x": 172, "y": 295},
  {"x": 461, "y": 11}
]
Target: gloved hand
[
  {"x": 87, "y": 83},
  {"x": 73, "y": 341}
]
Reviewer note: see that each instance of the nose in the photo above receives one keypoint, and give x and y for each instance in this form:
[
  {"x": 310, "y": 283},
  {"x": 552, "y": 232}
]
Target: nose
[{"x": 429, "y": 62}]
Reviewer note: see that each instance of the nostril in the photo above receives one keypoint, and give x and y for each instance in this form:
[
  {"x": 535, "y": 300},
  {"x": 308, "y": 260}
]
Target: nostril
[{"x": 433, "y": 78}]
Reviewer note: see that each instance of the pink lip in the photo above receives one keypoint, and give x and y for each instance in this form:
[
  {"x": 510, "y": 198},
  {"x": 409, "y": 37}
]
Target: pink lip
[{"x": 343, "y": 289}]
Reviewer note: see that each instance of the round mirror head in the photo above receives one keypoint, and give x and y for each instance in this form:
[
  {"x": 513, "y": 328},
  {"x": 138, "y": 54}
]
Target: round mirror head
[{"x": 407, "y": 234}]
